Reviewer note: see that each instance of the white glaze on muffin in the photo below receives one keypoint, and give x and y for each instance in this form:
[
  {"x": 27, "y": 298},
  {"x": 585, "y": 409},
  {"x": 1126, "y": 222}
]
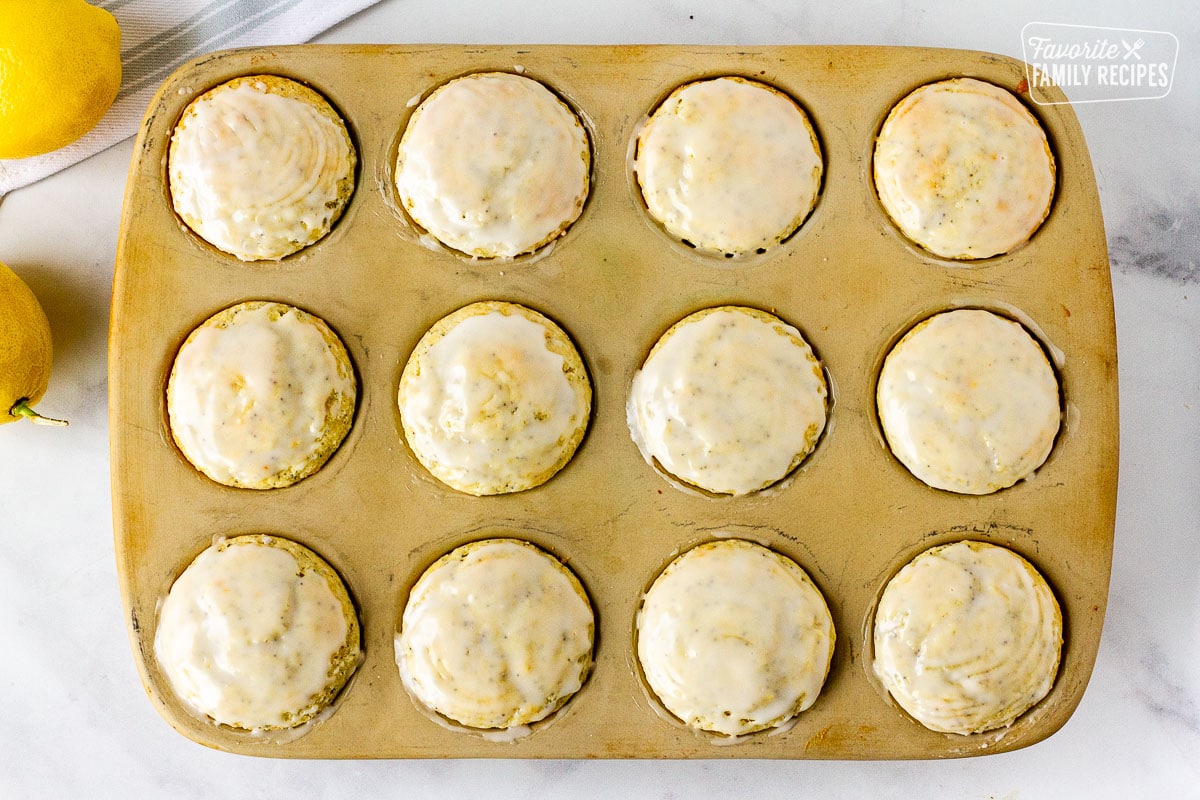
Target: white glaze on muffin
[
  {"x": 963, "y": 169},
  {"x": 730, "y": 400},
  {"x": 493, "y": 165},
  {"x": 734, "y": 638},
  {"x": 260, "y": 167},
  {"x": 968, "y": 402},
  {"x": 496, "y": 634},
  {"x": 261, "y": 395},
  {"x": 258, "y": 633},
  {"x": 967, "y": 637},
  {"x": 494, "y": 399},
  {"x": 729, "y": 165}
]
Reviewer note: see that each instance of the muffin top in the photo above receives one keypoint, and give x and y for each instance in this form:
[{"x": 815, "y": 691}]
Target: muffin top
[
  {"x": 260, "y": 395},
  {"x": 495, "y": 634},
  {"x": 260, "y": 167},
  {"x": 729, "y": 165},
  {"x": 967, "y": 637},
  {"x": 258, "y": 633},
  {"x": 734, "y": 638},
  {"x": 963, "y": 169},
  {"x": 493, "y": 165},
  {"x": 730, "y": 400},
  {"x": 494, "y": 399},
  {"x": 968, "y": 402}
]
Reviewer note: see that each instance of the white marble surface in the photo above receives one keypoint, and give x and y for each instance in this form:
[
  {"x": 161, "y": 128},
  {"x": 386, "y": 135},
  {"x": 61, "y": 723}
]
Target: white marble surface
[{"x": 76, "y": 723}]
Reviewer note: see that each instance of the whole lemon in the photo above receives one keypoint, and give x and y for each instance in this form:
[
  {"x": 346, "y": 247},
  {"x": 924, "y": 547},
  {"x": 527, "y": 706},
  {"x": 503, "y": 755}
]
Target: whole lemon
[
  {"x": 25, "y": 350},
  {"x": 60, "y": 69}
]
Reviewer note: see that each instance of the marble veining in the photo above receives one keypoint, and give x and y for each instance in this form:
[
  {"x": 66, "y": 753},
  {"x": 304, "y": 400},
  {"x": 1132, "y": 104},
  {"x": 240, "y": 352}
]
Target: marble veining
[
  {"x": 1160, "y": 241},
  {"x": 1164, "y": 697}
]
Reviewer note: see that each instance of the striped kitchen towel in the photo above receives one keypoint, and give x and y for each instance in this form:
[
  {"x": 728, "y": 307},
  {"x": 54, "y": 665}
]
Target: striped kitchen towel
[{"x": 159, "y": 35}]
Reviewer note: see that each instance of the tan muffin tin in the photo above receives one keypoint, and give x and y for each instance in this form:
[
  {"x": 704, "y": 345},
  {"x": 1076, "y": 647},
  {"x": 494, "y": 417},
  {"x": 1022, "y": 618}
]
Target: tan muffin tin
[{"x": 851, "y": 515}]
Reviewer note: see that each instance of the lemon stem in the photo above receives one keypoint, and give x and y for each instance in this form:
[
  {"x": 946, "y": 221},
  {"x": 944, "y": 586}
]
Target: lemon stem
[{"x": 23, "y": 409}]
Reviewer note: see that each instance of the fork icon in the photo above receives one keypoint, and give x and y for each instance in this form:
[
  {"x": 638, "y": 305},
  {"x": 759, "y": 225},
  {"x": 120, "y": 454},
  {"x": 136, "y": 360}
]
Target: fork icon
[{"x": 1132, "y": 49}]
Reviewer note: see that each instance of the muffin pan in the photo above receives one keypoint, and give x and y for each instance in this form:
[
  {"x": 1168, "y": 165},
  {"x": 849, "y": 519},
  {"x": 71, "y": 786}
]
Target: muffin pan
[{"x": 851, "y": 516}]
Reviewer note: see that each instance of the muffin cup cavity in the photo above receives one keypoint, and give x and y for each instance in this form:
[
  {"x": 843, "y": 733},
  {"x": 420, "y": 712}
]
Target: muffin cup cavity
[
  {"x": 973, "y": 635},
  {"x": 258, "y": 636},
  {"x": 494, "y": 399},
  {"x": 260, "y": 395},
  {"x": 260, "y": 168},
  {"x": 492, "y": 166},
  {"x": 723, "y": 668},
  {"x": 953, "y": 422},
  {"x": 730, "y": 401},
  {"x": 958, "y": 207},
  {"x": 703, "y": 159},
  {"x": 495, "y": 638}
]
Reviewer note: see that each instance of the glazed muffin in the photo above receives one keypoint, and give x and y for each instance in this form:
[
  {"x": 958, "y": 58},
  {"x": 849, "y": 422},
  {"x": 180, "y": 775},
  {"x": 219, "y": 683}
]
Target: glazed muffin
[
  {"x": 968, "y": 402},
  {"x": 260, "y": 395},
  {"x": 494, "y": 399},
  {"x": 258, "y": 633},
  {"x": 493, "y": 165},
  {"x": 734, "y": 638},
  {"x": 260, "y": 167},
  {"x": 963, "y": 169},
  {"x": 730, "y": 400},
  {"x": 967, "y": 637},
  {"x": 496, "y": 634},
  {"x": 728, "y": 165}
]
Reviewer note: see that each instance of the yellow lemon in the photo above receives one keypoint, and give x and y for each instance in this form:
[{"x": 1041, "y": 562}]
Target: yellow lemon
[
  {"x": 60, "y": 69},
  {"x": 25, "y": 350}
]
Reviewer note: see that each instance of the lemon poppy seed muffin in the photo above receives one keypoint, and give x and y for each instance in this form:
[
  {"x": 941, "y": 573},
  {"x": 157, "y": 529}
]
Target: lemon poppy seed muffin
[
  {"x": 260, "y": 167},
  {"x": 493, "y": 165},
  {"x": 261, "y": 394},
  {"x": 968, "y": 402},
  {"x": 963, "y": 169},
  {"x": 729, "y": 165},
  {"x": 730, "y": 400},
  {"x": 734, "y": 638},
  {"x": 967, "y": 637},
  {"x": 494, "y": 399},
  {"x": 495, "y": 634},
  {"x": 258, "y": 633}
]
